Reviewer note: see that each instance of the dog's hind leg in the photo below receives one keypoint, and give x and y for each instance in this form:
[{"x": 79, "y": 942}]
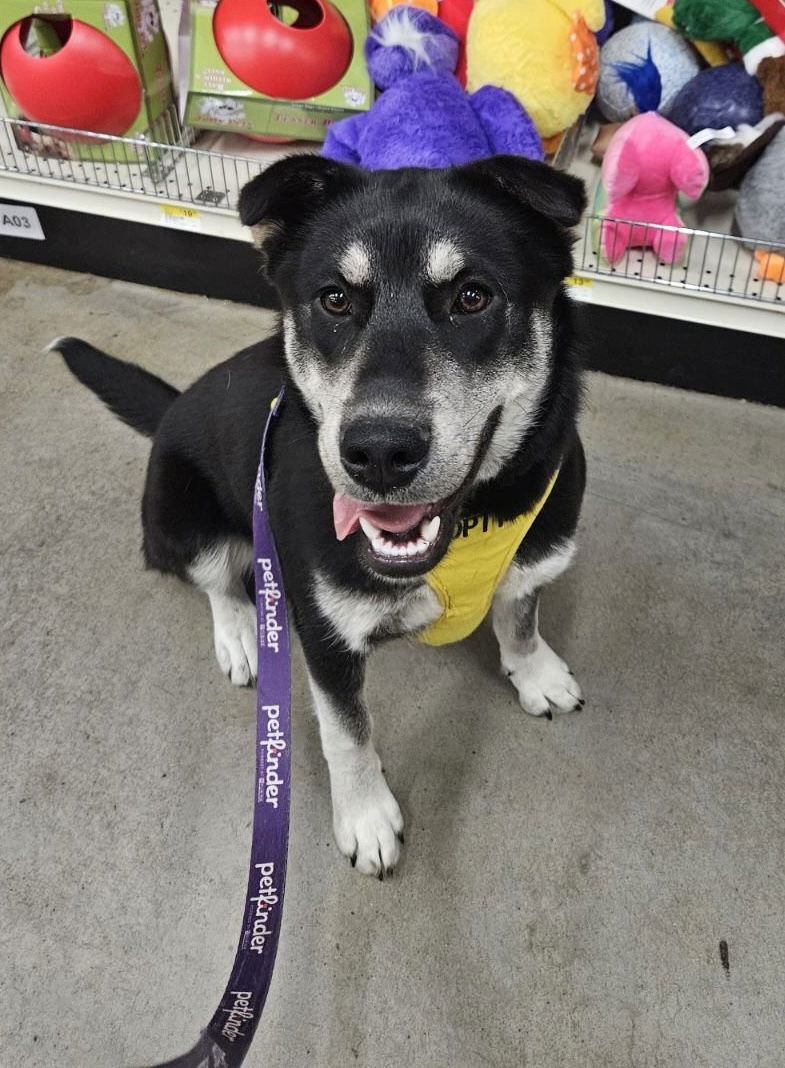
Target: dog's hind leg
[
  {"x": 186, "y": 534},
  {"x": 542, "y": 679}
]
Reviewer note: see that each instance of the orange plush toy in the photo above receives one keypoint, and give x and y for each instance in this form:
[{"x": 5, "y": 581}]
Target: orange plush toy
[{"x": 379, "y": 8}]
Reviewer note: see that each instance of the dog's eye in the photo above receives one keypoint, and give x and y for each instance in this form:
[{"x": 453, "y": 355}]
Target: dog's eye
[
  {"x": 471, "y": 299},
  {"x": 335, "y": 302}
]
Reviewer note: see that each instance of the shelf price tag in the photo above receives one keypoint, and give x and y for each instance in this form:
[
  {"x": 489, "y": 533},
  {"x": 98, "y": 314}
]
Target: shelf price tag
[
  {"x": 17, "y": 221},
  {"x": 181, "y": 218},
  {"x": 580, "y": 288}
]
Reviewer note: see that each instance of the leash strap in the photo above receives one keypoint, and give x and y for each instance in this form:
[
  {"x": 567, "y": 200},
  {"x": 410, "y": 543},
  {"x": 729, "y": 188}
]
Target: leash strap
[{"x": 228, "y": 1036}]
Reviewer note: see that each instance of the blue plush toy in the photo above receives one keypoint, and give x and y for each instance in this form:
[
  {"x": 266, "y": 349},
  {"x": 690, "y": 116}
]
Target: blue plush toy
[
  {"x": 424, "y": 118},
  {"x": 716, "y": 97},
  {"x": 642, "y": 68}
]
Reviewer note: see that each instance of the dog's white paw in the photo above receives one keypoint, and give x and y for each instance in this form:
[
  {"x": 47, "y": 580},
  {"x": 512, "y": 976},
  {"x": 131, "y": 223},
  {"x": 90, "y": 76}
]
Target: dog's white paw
[
  {"x": 234, "y": 631},
  {"x": 367, "y": 821},
  {"x": 543, "y": 681}
]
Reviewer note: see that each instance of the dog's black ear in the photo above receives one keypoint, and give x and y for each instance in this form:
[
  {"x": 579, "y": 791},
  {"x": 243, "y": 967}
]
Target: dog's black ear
[
  {"x": 552, "y": 193},
  {"x": 280, "y": 202}
]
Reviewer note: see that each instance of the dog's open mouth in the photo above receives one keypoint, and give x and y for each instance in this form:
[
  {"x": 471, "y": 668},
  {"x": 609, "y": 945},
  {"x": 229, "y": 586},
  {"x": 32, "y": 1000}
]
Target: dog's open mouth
[
  {"x": 402, "y": 538},
  {"x": 408, "y": 539}
]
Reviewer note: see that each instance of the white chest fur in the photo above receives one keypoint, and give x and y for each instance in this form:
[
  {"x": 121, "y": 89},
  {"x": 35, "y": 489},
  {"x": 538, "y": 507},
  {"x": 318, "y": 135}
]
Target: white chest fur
[{"x": 355, "y": 617}]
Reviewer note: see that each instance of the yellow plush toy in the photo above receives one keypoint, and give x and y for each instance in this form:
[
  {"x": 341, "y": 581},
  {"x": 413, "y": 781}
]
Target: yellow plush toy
[{"x": 544, "y": 52}]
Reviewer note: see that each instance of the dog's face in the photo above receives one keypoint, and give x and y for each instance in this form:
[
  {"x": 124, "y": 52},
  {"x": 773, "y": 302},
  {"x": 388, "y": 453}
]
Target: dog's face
[{"x": 417, "y": 314}]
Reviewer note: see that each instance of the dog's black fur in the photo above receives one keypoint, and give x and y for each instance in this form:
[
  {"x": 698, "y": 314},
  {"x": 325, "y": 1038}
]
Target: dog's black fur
[{"x": 206, "y": 441}]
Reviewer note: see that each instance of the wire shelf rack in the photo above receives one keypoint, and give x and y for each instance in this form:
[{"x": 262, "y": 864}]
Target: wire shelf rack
[
  {"x": 209, "y": 175},
  {"x": 712, "y": 263},
  {"x": 167, "y": 166}
]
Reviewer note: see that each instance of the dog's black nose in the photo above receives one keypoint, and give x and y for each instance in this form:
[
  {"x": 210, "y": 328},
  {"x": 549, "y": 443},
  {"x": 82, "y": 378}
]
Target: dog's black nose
[{"x": 382, "y": 454}]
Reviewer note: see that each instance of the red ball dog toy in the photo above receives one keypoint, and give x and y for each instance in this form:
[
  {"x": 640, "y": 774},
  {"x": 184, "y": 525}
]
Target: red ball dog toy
[
  {"x": 292, "y": 62},
  {"x": 88, "y": 84}
]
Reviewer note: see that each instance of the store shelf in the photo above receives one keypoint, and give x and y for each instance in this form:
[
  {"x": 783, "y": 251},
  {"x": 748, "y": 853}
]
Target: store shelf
[
  {"x": 35, "y": 165},
  {"x": 716, "y": 284},
  {"x": 196, "y": 188}
]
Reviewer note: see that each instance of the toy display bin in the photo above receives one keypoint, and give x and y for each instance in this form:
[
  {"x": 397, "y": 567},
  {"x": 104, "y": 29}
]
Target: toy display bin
[
  {"x": 290, "y": 61},
  {"x": 88, "y": 84}
]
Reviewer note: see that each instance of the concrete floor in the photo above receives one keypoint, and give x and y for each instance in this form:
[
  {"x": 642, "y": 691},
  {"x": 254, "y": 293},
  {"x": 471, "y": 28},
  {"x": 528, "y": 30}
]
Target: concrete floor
[{"x": 565, "y": 885}]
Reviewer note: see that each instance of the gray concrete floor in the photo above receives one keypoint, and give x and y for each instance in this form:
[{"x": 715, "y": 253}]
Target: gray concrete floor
[{"x": 565, "y": 885}]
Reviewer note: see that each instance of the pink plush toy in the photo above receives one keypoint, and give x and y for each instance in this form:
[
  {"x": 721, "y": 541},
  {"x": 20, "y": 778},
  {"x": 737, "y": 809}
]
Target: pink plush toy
[{"x": 648, "y": 162}]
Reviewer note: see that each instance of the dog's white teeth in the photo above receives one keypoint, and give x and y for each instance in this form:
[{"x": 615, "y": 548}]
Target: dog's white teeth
[
  {"x": 393, "y": 550},
  {"x": 429, "y": 529},
  {"x": 371, "y": 532},
  {"x": 383, "y": 547}
]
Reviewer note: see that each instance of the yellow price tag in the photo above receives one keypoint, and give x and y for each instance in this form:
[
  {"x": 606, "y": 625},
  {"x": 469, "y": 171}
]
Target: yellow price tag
[
  {"x": 181, "y": 218},
  {"x": 579, "y": 288}
]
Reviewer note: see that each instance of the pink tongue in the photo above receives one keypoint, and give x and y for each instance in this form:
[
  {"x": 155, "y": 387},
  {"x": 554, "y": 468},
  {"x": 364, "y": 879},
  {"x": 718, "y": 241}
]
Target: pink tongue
[{"x": 394, "y": 518}]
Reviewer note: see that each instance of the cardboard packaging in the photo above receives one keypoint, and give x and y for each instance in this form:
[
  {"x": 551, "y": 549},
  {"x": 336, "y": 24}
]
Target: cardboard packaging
[
  {"x": 74, "y": 36},
  {"x": 212, "y": 97}
]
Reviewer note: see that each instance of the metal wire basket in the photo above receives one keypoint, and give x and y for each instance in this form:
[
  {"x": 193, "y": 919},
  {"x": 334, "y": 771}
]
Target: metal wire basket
[
  {"x": 164, "y": 166},
  {"x": 169, "y": 166},
  {"x": 712, "y": 263}
]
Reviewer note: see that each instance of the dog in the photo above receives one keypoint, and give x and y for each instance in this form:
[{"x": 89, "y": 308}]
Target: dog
[{"x": 430, "y": 358}]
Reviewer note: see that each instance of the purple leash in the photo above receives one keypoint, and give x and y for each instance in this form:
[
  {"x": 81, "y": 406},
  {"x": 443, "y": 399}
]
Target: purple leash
[{"x": 227, "y": 1038}]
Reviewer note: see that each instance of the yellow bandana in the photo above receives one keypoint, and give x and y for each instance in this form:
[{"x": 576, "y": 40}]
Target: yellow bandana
[{"x": 465, "y": 580}]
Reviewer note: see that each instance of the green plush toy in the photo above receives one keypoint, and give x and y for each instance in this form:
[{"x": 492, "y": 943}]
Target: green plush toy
[{"x": 737, "y": 21}]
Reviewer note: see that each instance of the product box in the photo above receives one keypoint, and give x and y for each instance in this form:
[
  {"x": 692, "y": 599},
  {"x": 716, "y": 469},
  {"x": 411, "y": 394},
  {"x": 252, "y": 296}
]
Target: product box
[
  {"x": 215, "y": 97},
  {"x": 97, "y": 65}
]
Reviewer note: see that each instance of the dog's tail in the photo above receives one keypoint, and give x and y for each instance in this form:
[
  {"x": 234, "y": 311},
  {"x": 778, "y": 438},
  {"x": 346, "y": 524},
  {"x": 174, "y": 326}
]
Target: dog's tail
[{"x": 137, "y": 397}]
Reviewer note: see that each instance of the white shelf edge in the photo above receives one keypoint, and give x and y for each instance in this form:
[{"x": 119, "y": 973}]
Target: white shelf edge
[
  {"x": 706, "y": 309},
  {"x": 113, "y": 204}
]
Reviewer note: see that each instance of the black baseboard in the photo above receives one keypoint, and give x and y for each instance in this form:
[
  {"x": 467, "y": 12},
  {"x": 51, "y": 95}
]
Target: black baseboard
[
  {"x": 152, "y": 255},
  {"x": 645, "y": 347},
  {"x": 709, "y": 359}
]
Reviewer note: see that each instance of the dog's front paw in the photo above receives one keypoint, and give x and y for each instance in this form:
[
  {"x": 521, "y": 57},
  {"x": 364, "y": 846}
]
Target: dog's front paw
[
  {"x": 543, "y": 681},
  {"x": 234, "y": 631},
  {"x": 367, "y": 821}
]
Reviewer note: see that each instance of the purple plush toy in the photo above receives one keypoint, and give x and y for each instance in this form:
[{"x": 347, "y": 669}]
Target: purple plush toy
[{"x": 424, "y": 118}]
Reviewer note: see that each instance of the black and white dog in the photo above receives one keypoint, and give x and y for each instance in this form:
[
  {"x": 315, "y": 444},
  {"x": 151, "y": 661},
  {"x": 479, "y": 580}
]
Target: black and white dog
[{"x": 428, "y": 351}]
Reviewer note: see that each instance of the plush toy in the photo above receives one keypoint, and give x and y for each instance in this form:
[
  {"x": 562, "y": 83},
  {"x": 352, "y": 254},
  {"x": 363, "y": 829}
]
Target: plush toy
[
  {"x": 453, "y": 13},
  {"x": 713, "y": 52},
  {"x": 607, "y": 27},
  {"x": 456, "y": 15},
  {"x": 543, "y": 51},
  {"x": 380, "y": 8},
  {"x": 737, "y": 21},
  {"x": 770, "y": 265},
  {"x": 424, "y": 118},
  {"x": 740, "y": 22},
  {"x": 760, "y": 214},
  {"x": 648, "y": 162},
  {"x": 643, "y": 67},
  {"x": 731, "y": 157},
  {"x": 718, "y": 96}
]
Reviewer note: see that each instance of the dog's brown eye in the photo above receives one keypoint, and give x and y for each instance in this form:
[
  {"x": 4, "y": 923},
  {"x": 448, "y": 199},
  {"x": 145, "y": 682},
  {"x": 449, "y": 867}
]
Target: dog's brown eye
[
  {"x": 472, "y": 299},
  {"x": 336, "y": 302}
]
